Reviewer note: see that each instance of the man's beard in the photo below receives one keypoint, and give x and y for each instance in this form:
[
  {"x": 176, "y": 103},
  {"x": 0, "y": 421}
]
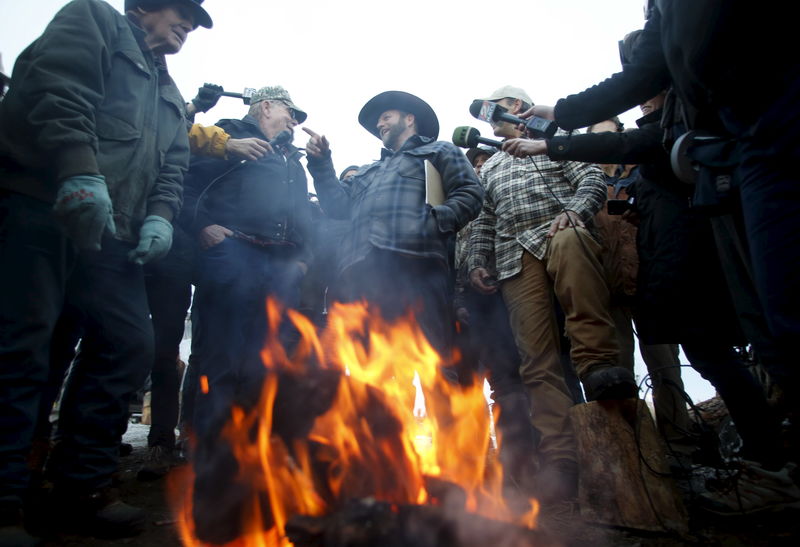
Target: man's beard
[{"x": 391, "y": 136}]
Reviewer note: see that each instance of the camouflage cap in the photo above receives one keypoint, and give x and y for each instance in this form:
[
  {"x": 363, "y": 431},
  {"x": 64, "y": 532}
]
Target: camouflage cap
[{"x": 278, "y": 93}]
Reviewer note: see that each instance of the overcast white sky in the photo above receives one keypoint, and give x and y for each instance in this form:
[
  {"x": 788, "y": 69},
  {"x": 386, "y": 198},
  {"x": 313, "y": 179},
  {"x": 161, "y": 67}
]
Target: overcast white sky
[{"x": 333, "y": 56}]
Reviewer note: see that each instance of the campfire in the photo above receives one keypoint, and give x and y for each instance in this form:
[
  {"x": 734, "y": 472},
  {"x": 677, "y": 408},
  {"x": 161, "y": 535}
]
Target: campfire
[{"x": 334, "y": 452}]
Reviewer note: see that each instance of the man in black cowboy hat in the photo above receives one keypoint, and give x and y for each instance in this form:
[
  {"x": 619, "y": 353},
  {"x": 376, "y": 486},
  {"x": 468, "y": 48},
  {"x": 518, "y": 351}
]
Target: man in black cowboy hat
[
  {"x": 93, "y": 147},
  {"x": 397, "y": 252}
]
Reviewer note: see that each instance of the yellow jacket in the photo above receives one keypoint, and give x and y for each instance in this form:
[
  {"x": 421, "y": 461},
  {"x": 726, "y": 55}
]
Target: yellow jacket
[{"x": 208, "y": 140}]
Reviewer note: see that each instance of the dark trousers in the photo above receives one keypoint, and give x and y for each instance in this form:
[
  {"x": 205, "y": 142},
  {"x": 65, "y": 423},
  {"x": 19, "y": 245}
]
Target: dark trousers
[
  {"x": 769, "y": 186},
  {"x": 398, "y": 283},
  {"x": 743, "y": 396},
  {"x": 40, "y": 269},
  {"x": 235, "y": 279},
  {"x": 169, "y": 294},
  {"x": 492, "y": 341},
  {"x": 229, "y": 330}
]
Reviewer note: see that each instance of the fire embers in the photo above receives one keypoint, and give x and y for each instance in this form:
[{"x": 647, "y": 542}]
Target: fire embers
[{"x": 336, "y": 424}]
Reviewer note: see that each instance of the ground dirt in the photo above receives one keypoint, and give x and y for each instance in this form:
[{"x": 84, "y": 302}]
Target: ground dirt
[{"x": 775, "y": 530}]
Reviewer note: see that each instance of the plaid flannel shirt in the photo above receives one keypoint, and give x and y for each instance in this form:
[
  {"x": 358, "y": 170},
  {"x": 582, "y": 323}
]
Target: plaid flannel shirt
[
  {"x": 385, "y": 201},
  {"x": 523, "y": 196}
]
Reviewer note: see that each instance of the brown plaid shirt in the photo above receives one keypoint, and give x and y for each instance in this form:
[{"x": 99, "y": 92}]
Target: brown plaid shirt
[{"x": 523, "y": 196}]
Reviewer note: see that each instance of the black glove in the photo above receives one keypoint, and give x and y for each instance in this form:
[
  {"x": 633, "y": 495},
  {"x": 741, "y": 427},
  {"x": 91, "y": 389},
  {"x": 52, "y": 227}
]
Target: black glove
[{"x": 207, "y": 97}]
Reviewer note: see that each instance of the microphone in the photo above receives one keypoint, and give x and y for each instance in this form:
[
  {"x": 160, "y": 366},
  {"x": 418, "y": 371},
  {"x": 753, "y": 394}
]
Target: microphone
[
  {"x": 282, "y": 138},
  {"x": 488, "y": 111},
  {"x": 469, "y": 137}
]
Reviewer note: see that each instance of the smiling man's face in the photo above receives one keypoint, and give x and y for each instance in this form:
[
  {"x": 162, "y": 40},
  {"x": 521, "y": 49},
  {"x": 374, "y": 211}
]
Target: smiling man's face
[
  {"x": 394, "y": 129},
  {"x": 167, "y": 28}
]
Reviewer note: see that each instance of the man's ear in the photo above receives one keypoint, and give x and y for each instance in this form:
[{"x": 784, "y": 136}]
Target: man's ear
[
  {"x": 411, "y": 119},
  {"x": 516, "y": 107}
]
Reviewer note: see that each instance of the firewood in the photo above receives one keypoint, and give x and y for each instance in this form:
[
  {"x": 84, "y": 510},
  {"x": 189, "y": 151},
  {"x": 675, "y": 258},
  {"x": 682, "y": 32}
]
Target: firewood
[{"x": 369, "y": 523}]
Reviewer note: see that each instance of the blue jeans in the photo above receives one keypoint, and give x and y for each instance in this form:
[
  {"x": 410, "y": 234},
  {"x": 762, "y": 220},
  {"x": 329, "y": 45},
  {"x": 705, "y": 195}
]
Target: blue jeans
[
  {"x": 229, "y": 330},
  {"x": 40, "y": 270},
  {"x": 235, "y": 279}
]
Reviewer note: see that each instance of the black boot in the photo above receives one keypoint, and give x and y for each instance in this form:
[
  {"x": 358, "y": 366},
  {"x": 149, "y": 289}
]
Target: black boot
[
  {"x": 12, "y": 529},
  {"x": 609, "y": 382},
  {"x": 97, "y": 513}
]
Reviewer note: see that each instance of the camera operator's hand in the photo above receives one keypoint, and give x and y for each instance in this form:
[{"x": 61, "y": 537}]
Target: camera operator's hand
[
  {"x": 207, "y": 97},
  {"x": 213, "y": 235},
  {"x": 562, "y": 222},
  {"x": 522, "y": 148},
  {"x": 83, "y": 208},
  {"x": 318, "y": 145},
  {"x": 539, "y": 110},
  {"x": 155, "y": 239},
  {"x": 251, "y": 148},
  {"x": 462, "y": 315},
  {"x": 482, "y": 281}
]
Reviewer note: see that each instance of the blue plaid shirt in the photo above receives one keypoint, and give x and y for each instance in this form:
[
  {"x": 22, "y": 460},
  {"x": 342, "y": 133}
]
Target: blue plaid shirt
[{"x": 385, "y": 201}]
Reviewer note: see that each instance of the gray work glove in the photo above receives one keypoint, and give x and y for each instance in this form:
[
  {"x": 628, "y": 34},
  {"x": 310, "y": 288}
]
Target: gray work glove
[
  {"x": 207, "y": 97},
  {"x": 155, "y": 239},
  {"x": 83, "y": 208}
]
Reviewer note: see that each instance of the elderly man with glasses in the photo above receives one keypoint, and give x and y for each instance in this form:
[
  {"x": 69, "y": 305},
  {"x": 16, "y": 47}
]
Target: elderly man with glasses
[{"x": 252, "y": 221}]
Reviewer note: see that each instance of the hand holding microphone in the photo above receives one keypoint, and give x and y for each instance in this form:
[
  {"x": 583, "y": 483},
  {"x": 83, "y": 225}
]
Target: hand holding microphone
[
  {"x": 522, "y": 148},
  {"x": 540, "y": 111},
  {"x": 536, "y": 126}
]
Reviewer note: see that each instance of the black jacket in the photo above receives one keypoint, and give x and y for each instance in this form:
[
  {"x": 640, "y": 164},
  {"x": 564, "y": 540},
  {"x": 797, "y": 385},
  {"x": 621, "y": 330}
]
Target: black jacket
[
  {"x": 681, "y": 293},
  {"x": 267, "y": 198},
  {"x": 719, "y": 56},
  {"x": 88, "y": 97}
]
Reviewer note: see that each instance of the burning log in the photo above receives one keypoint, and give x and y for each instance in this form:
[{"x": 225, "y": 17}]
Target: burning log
[
  {"x": 367, "y": 523},
  {"x": 336, "y": 421}
]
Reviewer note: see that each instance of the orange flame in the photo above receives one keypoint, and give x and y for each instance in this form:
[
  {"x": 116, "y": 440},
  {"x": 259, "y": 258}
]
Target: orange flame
[{"x": 369, "y": 442}]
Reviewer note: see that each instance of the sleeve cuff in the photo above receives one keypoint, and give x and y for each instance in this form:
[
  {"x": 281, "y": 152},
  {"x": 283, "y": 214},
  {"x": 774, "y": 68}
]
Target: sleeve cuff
[
  {"x": 219, "y": 144},
  {"x": 161, "y": 209},
  {"x": 445, "y": 218},
  {"x": 78, "y": 159},
  {"x": 558, "y": 148}
]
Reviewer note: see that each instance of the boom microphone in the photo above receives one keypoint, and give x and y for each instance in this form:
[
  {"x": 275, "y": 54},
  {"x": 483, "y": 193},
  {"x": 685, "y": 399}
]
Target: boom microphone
[
  {"x": 244, "y": 95},
  {"x": 469, "y": 137},
  {"x": 488, "y": 111}
]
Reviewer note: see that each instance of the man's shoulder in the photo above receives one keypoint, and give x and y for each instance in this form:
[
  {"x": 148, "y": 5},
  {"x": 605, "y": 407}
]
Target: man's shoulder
[
  {"x": 99, "y": 8},
  {"x": 78, "y": 15},
  {"x": 438, "y": 147},
  {"x": 239, "y": 128}
]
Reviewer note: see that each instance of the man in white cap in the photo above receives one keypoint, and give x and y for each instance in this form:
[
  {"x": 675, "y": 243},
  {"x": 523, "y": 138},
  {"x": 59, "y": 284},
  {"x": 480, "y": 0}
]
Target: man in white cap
[{"x": 533, "y": 224}]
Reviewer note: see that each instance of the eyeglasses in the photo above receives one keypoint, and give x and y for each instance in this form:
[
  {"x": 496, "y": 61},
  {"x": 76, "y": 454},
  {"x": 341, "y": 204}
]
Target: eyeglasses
[{"x": 292, "y": 111}]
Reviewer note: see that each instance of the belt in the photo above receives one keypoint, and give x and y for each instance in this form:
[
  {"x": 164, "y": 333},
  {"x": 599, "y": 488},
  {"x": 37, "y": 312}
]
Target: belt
[{"x": 261, "y": 242}]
